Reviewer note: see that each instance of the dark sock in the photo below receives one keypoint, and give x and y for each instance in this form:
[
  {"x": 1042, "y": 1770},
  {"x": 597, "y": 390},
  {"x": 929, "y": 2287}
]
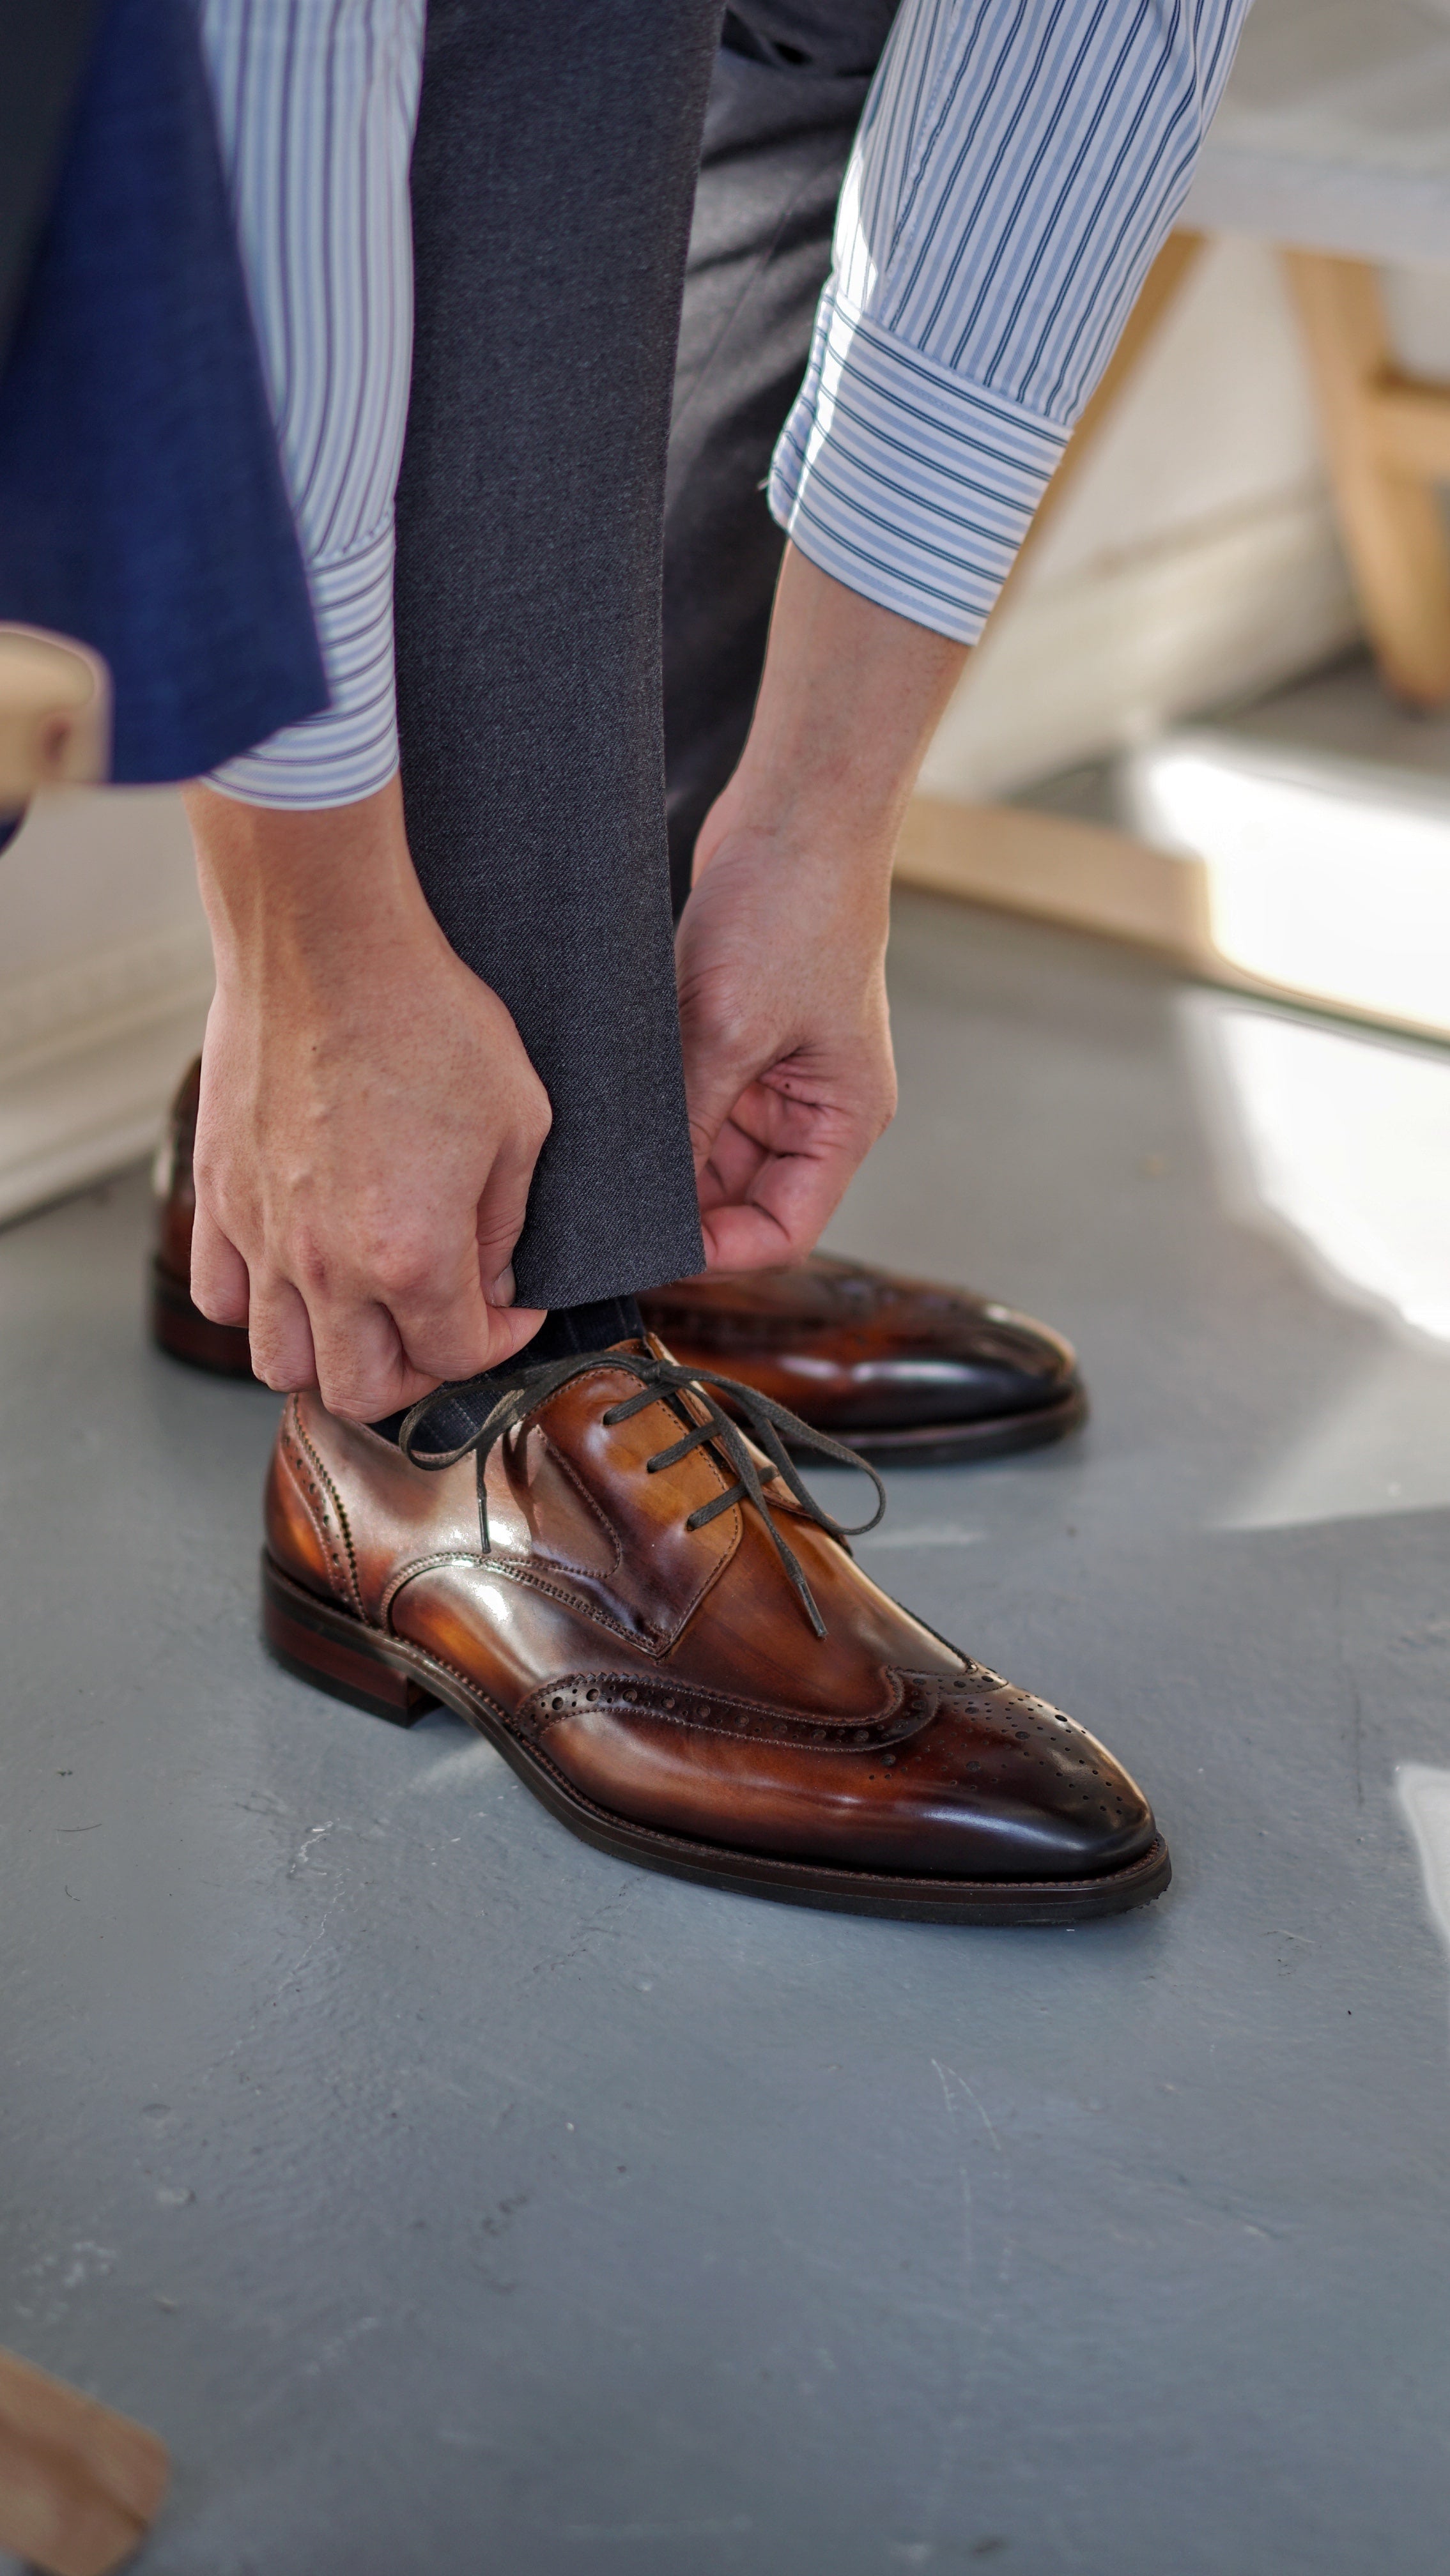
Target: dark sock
[
  {"x": 563, "y": 1332},
  {"x": 582, "y": 1328}
]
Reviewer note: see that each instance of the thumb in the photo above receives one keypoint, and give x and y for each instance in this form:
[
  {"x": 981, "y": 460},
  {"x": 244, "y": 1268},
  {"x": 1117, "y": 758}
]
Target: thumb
[
  {"x": 500, "y": 1221},
  {"x": 716, "y": 1074}
]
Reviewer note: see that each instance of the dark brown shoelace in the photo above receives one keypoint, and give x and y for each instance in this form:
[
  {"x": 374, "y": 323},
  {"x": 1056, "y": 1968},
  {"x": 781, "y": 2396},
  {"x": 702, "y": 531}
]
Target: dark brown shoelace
[{"x": 667, "y": 1379}]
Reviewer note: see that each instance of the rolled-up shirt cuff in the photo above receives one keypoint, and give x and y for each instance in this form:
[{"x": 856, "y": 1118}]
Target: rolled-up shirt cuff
[
  {"x": 910, "y": 484},
  {"x": 351, "y": 749}
]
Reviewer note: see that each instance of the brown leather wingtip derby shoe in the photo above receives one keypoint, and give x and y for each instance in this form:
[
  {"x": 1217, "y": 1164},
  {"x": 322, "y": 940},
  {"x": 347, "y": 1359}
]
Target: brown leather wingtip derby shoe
[
  {"x": 665, "y": 1639},
  {"x": 906, "y": 1372},
  {"x": 901, "y": 1369}
]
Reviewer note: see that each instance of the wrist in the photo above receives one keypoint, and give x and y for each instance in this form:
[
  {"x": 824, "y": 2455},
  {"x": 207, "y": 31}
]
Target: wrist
[
  {"x": 850, "y": 696},
  {"x": 850, "y": 845},
  {"x": 317, "y": 901}
]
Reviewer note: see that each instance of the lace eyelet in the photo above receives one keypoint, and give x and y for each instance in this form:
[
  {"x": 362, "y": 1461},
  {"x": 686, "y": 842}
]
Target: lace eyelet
[{"x": 659, "y": 1377}]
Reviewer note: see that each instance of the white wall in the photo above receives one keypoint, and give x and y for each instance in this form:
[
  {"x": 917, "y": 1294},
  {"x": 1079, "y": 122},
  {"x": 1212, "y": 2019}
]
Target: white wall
[
  {"x": 1194, "y": 558},
  {"x": 104, "y": 979}
]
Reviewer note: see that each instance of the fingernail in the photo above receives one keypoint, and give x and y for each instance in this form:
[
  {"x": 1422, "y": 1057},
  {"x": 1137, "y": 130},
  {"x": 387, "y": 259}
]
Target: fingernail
[{"x": 502, "y": 1291}]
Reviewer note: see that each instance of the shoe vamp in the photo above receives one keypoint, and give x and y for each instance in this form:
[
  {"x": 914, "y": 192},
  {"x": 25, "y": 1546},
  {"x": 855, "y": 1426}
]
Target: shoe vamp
[
  {"x": 965, "y": 1794},
  {"x": 512, "y": 1626},
  {"x": 751, "y": 1633}
]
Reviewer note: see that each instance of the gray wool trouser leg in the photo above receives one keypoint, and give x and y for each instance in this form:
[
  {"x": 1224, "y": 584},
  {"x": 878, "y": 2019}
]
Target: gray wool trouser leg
[{"x": 553, "y": 179}]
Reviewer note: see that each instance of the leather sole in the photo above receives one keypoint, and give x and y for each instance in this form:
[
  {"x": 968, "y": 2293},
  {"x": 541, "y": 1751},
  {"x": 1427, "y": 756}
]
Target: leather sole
[
  {"x": 949, "y": 1444},
  {"x": 184, "y": 1333},
  {"x": 324, "y": 1644}
]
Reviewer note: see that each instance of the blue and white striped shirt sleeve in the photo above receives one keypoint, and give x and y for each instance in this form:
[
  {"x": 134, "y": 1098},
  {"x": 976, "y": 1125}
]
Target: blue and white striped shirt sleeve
[
  {"x": 316, "y": 104},
  {"x": 1018, "y": 166}
]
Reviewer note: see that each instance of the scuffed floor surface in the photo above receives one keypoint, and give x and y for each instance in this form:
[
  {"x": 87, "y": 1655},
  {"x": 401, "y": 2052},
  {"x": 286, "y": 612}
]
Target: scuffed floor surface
[{"x": 452, "y": 2198}]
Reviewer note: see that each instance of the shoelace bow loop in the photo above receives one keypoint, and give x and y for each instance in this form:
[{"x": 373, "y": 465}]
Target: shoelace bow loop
[{"x": 669, "y": 1379}]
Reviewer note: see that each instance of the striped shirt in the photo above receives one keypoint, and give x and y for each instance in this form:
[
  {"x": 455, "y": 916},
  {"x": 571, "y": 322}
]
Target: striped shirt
[
  {"x": 1018, "y": 165},
  {"x": 316, "y": 104}
]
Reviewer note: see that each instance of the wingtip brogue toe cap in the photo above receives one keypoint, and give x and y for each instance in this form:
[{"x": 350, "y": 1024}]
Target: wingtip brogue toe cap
[{"x": 965, "y": 1778}]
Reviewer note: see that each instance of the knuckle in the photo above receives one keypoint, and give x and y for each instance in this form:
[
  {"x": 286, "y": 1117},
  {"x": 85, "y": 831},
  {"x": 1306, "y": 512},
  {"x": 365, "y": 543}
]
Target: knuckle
[
  {"x": 219, "y": 1305},
  {"x": 275, "y": 1365},
  {"x": 731, "y": 1033},
  {"x": 307, "y": 1265},
  {"x": 206, "y": 1170},
  {"x": 355, "y": 1398},
  {"x": 721, "y": 1017},
  {"x": 282, "y": 1379},
  {"x": 401, "y": 1270}
]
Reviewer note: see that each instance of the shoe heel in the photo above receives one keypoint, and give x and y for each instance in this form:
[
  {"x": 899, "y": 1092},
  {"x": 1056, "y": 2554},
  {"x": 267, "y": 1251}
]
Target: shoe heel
[{"x": 324, "y": 1646}]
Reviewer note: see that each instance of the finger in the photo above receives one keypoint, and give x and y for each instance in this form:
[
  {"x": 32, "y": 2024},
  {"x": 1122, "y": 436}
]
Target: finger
[
  {"x": 449, "y": 1327},
  {"x": 764, "y": 1123},
  {"x": 281, "y": 1334},
  {"x": 219, "y": 1283},
  {"x": 744, "y": 1238},
  {"x": 363, "y": 1371},
  {"x": 708, "y": 1112},
  {"x": 788, "y": 1206},
  {"x": 463, "y": 1337},
  {"x": 716, "y": 1074},
  {"x": 443, "y": 1321},
  {"x": 502, "y": 1207},
  {"x": 777, "y": 1174},
  {"x": 736, "y": 1160}
]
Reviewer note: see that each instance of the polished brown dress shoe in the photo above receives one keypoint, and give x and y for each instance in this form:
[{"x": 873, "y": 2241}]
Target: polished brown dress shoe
[
  {"x": 900, "y": 1369},
  {"x": 673, "y": 1647}
]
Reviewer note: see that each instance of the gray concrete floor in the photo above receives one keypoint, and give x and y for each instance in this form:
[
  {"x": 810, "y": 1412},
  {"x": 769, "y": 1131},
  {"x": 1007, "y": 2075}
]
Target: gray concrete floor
[{"x": 452, "y": 2198}]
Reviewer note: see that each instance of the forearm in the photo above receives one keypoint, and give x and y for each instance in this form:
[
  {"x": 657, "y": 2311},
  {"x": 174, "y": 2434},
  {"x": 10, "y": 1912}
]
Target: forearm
[{"x": 849, "y": 700}]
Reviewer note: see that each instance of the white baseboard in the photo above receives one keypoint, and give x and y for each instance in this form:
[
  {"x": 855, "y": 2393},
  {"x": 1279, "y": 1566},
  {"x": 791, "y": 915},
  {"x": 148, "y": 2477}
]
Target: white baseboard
[
  {"x": 90, "y": 1053},
  {"x": 1078, "y": 669}
]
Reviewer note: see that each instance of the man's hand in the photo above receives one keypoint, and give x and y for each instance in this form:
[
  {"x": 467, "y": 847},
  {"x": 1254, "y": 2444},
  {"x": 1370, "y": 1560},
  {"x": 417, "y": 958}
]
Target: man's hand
[
  {"x": 780, "y": 953},
  {"x": 369, "y": 1120},
  {"x": 787, "y": 1041}
]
